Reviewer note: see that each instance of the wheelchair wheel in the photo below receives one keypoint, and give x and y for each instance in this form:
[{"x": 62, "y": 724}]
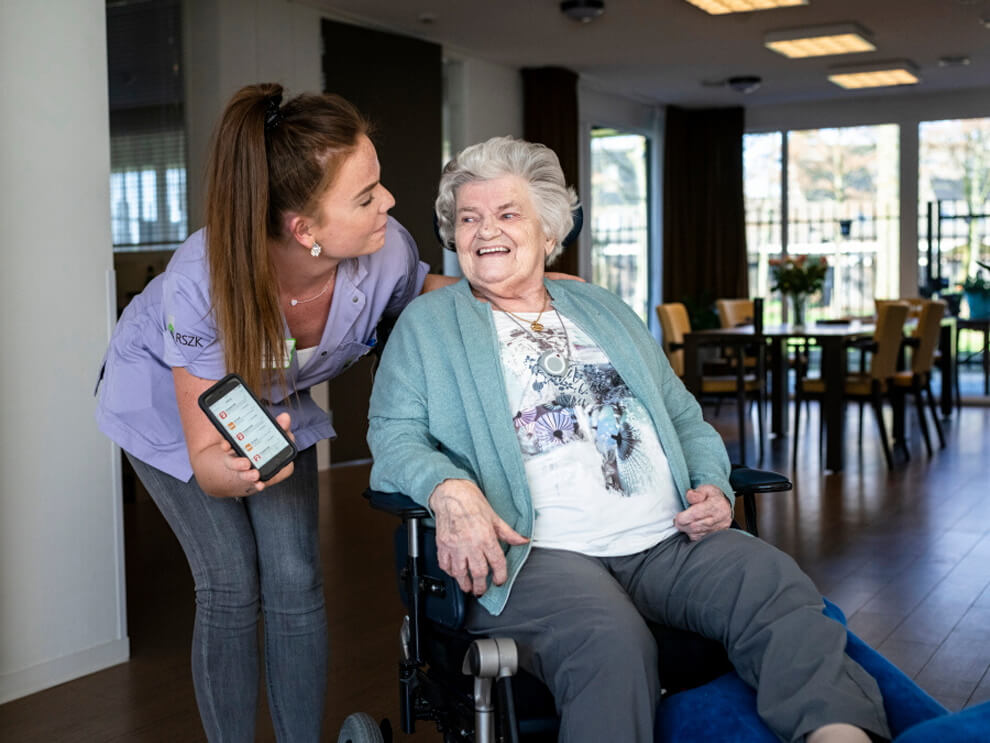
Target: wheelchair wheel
[{"x": 361, "y": 728}]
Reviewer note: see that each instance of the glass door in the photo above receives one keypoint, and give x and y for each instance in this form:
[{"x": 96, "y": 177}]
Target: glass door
[{"x": 620, "y": 215}]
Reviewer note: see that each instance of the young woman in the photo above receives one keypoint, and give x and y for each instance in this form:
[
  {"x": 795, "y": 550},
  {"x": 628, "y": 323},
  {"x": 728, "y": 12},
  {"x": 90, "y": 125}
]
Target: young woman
[{"x": 286, "y": 285}]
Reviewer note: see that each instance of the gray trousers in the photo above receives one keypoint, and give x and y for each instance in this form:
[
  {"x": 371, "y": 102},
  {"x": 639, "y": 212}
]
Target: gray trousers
[{"x": 579, "y": 623}]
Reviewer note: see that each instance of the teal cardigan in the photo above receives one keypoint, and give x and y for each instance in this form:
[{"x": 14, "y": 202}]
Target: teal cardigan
[{"x": 439, "y": 408}]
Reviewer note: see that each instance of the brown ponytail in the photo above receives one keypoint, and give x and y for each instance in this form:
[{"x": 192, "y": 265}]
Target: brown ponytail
[{"x": 257, "y": 173}]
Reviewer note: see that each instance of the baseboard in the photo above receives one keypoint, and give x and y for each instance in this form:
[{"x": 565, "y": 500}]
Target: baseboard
[{"x": 66, "y": 668}]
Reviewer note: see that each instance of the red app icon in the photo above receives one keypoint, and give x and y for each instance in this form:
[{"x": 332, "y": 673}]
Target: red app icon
[
  {"x": 223, "y": 414},
  {"x": 257, "y": 457},
  {"x": 240, "y": 437}
]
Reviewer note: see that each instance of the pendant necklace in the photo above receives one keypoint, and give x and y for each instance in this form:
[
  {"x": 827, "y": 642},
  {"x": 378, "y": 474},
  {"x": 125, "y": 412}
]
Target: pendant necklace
[
  {"x": 553, "y": 362},
  {"x": 323, "y": 291},
  {"x": 536, "y": 325}
]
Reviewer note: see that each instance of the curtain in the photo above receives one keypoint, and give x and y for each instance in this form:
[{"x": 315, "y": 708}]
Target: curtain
[
  {"x": 703, "y": 212},
  {"x": 550, "y": 117}
]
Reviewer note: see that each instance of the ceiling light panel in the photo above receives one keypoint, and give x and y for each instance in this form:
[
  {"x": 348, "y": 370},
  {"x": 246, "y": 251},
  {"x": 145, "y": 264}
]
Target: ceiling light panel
[
  {"x": 720, "y": 7},
  {"x": 879, "y": 75},
  {"x": 821, "y": 41}
]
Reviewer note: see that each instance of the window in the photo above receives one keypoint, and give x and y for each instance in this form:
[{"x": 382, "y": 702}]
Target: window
[
  {"x": 762, "y": 174},
  {"x": 842, "y": 203},
  {"x": 147, "y": 131},
  {"x": 619, "y": 211},
  {"x": 954, "y": 195},
  {"x": 148, "y": 189}
]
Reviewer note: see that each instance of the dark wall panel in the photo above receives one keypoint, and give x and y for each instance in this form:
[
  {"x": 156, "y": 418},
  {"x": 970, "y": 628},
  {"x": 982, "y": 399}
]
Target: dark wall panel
[{"x": 397, "y": 82}]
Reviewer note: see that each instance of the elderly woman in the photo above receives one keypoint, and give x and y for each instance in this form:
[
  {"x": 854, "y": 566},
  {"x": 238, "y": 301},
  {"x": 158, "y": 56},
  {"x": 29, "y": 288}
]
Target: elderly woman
[{"x": 541, "y": 415}]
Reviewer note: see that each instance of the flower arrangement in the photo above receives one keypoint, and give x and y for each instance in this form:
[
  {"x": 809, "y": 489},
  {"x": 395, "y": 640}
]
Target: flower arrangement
[
  {"x": 797, "y": 277},
  {"x": 799, "y": 274},
  {"x": 976, "y": 284}
]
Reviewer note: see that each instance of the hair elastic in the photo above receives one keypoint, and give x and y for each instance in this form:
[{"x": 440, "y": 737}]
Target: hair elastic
[{"x": 273, "y": 115}]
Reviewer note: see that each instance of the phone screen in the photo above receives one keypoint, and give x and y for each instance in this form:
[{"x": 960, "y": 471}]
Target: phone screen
[{"x": 248, "y": 426}]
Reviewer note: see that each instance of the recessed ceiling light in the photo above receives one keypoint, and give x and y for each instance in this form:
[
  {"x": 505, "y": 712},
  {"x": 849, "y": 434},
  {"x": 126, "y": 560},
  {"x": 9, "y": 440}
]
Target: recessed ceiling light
[
  {"x": 583, "y": 11},
  {"x": 953, "y": 60},
  {"x": 720, "y": 7},
  {"x": 820, "y": 41},
  {"x": 877, "y": 75}
]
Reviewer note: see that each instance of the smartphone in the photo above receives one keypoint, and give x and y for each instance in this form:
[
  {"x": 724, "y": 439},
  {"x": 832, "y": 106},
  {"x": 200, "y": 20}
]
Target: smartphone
[{"x": 247, "y": 425}]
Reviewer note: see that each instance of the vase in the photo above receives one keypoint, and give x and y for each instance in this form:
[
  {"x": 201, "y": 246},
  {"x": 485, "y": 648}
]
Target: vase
[
  {"x": 979, "y": 304},
  {"x": 798, "y": 302}
]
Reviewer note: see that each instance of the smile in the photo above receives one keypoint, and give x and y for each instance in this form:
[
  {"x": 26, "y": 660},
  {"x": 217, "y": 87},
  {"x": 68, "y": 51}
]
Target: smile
[{"x": 496, "y": 249}]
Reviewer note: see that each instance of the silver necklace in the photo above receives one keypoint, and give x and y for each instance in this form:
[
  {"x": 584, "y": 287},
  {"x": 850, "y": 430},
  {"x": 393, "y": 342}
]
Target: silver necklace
[
  {"x": 553, "y": 362},
  {"x": 323, "y": 291}
]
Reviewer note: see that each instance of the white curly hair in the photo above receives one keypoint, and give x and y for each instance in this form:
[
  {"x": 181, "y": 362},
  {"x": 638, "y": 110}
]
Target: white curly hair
[{"x": 537, "y": 164}]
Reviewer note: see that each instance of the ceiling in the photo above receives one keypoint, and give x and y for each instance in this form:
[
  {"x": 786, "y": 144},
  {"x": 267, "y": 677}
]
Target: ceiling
[{"x": 669, "y": 52}]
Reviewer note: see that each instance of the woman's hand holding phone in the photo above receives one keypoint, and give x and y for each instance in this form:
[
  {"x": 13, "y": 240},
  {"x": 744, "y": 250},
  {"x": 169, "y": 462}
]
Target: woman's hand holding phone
[
  {"x": 235, "y": 426},
  {"x": 242, "y": 467}
]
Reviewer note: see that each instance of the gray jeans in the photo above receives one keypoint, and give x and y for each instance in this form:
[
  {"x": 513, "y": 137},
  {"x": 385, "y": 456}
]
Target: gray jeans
[
  {"x": 250, "y": 556},
  {"x": 579, "y": 623}
]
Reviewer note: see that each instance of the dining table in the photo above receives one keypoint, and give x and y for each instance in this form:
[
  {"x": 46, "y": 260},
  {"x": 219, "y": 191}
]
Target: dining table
[{"x": 832, "y": 338}]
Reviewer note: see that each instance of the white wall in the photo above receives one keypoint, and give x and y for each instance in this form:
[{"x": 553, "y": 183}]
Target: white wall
[
  {"x": 483, "y": 100},
  {"x": 492, "y": 101},
  {"x": 907, "y": 110},
  {"x": 61, "y": 571}
]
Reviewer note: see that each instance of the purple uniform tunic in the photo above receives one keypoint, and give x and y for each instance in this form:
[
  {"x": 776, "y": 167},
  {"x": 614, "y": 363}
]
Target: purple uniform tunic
[{"x": 171, "y": 324}]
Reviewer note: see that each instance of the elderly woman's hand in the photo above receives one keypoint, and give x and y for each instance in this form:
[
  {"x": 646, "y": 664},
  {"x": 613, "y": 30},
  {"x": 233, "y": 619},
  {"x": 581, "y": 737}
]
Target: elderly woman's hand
[
  {"x": 468, "y": 531},
  {"x": 710, "y": 511}
]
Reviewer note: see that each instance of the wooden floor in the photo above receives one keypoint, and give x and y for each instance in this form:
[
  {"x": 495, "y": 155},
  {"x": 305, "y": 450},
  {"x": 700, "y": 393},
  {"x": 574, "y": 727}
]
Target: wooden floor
[{"x": 905, "y": 554}]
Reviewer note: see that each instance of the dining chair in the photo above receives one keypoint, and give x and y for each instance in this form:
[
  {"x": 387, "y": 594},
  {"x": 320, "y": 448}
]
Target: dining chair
[
  {"x": 917, "y": 379},
  {"x": 915, "y": 305},
  {"x": 740, "y": 385},
  {"x": 734, "y": 312},
  {"x": 731, "y": 314},
  {"x": 871, "y": 385}
]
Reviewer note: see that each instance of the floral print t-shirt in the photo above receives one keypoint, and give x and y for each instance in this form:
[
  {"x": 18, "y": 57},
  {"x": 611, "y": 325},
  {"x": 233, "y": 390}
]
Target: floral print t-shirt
[{"x": 598, "y": 476}]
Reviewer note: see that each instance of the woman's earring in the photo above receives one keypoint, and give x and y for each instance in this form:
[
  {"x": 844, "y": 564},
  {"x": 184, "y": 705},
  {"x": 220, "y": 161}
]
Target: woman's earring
[{"x": 315, "y": 250}]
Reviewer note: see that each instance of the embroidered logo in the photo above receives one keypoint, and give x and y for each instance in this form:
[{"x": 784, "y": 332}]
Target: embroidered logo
[{"x": 193, "y": 341}]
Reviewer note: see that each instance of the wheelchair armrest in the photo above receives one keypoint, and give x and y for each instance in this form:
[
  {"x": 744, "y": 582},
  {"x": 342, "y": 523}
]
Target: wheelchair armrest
[
  {"x": 746, "y": 480},
  {"x": 396, "y": 504}
]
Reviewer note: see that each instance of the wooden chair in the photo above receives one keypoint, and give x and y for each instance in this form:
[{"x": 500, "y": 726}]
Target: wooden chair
[
  {"x": 870, "y": 386},
  {"x": 734, "y": 312},
  {"x": 675, "y": 323},
  {"x": 915, "y": 305},
  {"x": 917, "y": 380}
]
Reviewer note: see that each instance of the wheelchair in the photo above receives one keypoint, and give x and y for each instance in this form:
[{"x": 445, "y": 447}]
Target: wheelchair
[{"x": 471, "y": 687}]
